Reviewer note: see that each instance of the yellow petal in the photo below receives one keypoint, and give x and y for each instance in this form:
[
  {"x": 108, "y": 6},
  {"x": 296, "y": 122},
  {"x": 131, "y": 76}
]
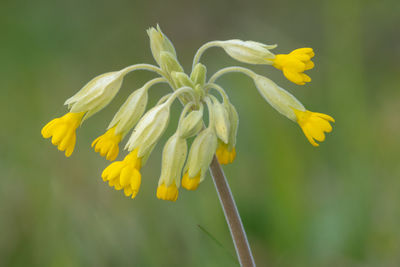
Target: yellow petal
[{"x": 190, "y": 183}]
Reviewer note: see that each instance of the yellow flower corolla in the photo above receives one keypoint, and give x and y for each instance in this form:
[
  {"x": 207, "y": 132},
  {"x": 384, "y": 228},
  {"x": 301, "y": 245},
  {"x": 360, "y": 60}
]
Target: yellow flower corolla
[
  {"x": 314, "y": 125},
  {"x": 294, "y": 64},
  {"x": 167, "y": 192},
  {"x": 125, "y": 174},
  {"x": 107, "y": 144},
  {"x": 223, "y": 154},
  {"x": 63, "y": 131},
  {"x": 190, "y": 183}
]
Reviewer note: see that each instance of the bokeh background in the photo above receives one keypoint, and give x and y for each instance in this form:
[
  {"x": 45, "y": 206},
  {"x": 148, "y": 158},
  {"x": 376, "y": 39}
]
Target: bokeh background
[{"x": 336, "y": 205}]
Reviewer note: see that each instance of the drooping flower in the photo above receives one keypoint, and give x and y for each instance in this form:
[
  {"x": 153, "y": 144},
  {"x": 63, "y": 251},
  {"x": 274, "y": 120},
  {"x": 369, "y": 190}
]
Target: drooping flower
[
  {"x": 107, "y": 144},
  {"x": 201, "y": 153},
  {"x": 62, "y": 130},
  {"x": 173, "y": 158},
  {"x": 126, "y": 117},
  {"x": 314, "y": 125},
  {"x": 93, "y": 97},
  {"x": 224, "y": 155},
  {"x": 125, "y": 174},
  {"x": 294, "y": 64}
]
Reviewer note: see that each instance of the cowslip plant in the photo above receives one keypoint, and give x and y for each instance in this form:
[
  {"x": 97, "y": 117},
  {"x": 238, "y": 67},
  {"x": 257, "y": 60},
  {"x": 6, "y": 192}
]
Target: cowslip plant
[{"x": 180, "y": 165}]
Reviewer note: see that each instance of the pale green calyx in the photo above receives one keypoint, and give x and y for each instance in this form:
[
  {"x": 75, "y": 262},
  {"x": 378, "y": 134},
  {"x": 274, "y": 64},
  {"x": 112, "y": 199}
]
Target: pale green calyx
[
  {"x": 133, "y": 108},
  {"x": 198, "y": 75},
  {"x": 181, "y": 79},
  {"x": 169, "y": 63},
  {"x": 190, "y": 124},
  {"x": 201, "y": 153},
  {"x": 173, "y": 158},
  {"x": 248, "y": 51},
  {"x": 280, "y": 99},
  {"x": 96, "y": 94},
  {"x": 149, "y": 129},
  {"x": 160, "y": 43},
  {"x": 130, "y": 112},
  {"x": 221, "y": 120},
  {"x": 234, "y": 124}
]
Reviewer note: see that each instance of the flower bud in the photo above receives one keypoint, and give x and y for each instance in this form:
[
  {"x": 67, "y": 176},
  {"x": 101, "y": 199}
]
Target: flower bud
[
  {"x": 234, "y": 124},
  {"x": 173, "y": 157},
  {"x": 181, "y": 79},
  {"x": 169, "y": 63},
  {"x": 198, "y": 75},
  {"x": 221, "y": 121},
  {"x": 149, "y": 129},
  {"x": 159, "y": 42},
  {"x": 130, "y": 112},
  {"x": 283, "y": 101},
  {"x": 191, "y": 124},
  {"x": 96, "y": 94},
  {"x": 248, "y": 51},
  {"x": 201, "y": 153}
]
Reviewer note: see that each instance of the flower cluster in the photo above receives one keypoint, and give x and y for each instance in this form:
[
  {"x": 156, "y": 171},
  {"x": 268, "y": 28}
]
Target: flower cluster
[{"x": 195, "y": 93}]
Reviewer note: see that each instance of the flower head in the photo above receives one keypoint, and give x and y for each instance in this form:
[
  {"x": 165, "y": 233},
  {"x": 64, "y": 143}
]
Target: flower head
[
  {"x": 294, "y": 64},
  {"x": 314, "y": 125},
  {"x": 195, "y": 92}
]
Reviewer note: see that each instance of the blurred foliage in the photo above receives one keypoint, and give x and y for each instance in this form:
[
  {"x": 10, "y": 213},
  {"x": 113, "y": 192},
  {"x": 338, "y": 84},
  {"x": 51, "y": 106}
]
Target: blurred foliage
[{"x": 336, "y": 205}]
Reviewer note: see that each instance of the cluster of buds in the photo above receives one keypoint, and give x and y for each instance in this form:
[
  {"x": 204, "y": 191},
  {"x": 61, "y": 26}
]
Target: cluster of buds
[{"x": 215, "y": 136}]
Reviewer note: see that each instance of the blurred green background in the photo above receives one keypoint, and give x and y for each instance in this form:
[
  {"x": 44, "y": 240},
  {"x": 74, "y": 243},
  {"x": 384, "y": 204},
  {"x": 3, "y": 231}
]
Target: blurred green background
[{"x": 336, "y": 205}]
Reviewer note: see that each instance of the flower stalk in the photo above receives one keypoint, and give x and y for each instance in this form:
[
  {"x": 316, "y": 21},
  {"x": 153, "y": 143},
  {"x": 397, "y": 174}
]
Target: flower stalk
[{"x": 232, "y": 216}]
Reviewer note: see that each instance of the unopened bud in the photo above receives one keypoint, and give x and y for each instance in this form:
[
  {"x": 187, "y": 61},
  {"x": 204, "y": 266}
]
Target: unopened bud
[{"x": 159, "y": 42}]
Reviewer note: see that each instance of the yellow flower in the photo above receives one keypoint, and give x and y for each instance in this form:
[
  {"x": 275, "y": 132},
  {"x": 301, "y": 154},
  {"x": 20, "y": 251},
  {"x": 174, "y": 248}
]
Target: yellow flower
[
  {"x": 107, "y": 144},
  {"x": 314, "y": 125},
  {"x": 167, "y": 192},
  {"x": 224, "y": 155},
  {"x": 190, "y": 183},
  {"x": 294, "y": 64},
  {"x": 63, "y": 131},
  {"x": 125, "y": 174}
]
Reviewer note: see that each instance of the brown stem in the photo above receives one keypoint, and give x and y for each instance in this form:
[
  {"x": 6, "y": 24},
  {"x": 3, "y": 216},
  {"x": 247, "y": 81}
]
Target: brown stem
[{"x": 232, "y": 216}]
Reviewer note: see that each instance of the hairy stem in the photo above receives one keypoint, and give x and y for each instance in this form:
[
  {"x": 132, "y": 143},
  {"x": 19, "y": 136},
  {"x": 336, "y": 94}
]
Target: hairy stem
[
  {"x": 232, "y": 216},
  {"x": 226, "y": 70},
  {"x": 201, "y": 50}
]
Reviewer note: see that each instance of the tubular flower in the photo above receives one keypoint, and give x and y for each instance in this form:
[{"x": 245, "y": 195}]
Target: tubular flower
[
  {"x": 173, "y": 158},
  {"x": 190, "y": 183},
  {"x": 107, "y": 144},
  {"x": 123, "y": 121},
  {"x": 63, "y": 131},
  {"x": 181, "y": 164},
  {"x": 294, "y": 64},
  {"x": 224, "y": 155},
  {"x": 314, "y": 125},
  {"x": 125, "y": 174},
  {"x": 201, "y": 154},
  {"x": 165, "y": 192}
]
